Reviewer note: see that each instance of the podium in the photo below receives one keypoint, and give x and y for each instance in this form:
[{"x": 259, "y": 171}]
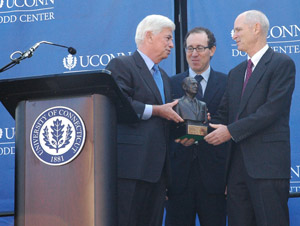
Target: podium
[{"x": 65, "y": 171}]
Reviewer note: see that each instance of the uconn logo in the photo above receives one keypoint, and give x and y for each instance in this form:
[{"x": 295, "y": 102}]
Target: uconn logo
[
  {"x": 26, "y": 11},
  {"x": 16, "y": 4},
  {"x": 90, "y": 61},
  {"x": 57, "y": 136}
]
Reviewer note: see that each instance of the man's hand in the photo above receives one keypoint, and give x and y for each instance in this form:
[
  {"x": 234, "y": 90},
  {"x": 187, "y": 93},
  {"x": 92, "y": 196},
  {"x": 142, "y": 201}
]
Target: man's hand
[
  {"x": 166, "y": 111},
  {"x": 185, "y": 142},
  {"x": 218, "y": 136}
]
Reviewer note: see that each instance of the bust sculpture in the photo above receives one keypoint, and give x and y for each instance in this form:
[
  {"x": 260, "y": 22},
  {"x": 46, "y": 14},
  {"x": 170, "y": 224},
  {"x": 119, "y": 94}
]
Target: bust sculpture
[{"x": 189, "y": 107}]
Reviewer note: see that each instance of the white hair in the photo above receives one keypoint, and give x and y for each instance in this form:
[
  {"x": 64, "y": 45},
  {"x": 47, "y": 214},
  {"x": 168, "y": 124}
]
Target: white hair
[
  {"x": 153, "y": 23},
  {"x": 255, "y": 16}
]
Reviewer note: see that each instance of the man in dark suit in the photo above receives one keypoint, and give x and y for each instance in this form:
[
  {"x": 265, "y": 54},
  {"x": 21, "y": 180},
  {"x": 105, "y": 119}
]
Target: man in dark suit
[
  {"x": 198, "y": 183},
  {"x": 254, "y": 113},
  {"x": 143, "y": 161}
]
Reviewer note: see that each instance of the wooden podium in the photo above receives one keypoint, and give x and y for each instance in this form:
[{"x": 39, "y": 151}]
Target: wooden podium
[{"x": 83, "y": 190}]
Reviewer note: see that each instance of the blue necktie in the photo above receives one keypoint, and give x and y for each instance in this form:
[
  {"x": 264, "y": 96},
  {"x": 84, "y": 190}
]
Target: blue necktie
[
  {"x": 200, "y": 91},
  {"x": 159, "y": 81}
]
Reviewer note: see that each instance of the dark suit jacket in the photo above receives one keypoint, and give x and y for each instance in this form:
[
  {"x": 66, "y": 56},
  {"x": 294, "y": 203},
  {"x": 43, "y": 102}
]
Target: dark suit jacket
[
  {"x": 211, "y": 158},
  {"x": 142, "y": 146},
  {"x": 259, "y": 121}
]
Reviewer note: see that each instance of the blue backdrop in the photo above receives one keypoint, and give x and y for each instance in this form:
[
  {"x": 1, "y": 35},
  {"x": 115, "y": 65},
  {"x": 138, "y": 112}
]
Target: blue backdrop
[
  {"x": 101, "y": 30},
  {"x": 284, "y": 36},
  {"x": 98, "y": 30}
]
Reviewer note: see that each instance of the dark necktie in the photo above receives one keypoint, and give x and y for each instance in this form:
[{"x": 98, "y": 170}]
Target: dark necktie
[
  {"x": 248, "y": 74},
  {"x": 159, "y": 82},
  {"x": 200, "y": 92}
]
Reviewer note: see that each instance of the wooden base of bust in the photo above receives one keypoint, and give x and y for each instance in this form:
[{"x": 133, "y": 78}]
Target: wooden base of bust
[{"x": 189, "y": 129}]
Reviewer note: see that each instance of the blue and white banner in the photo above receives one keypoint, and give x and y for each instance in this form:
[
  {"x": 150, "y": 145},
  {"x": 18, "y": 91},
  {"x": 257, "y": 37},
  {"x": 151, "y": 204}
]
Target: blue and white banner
[
  {"x": 98, "y": 30},
  {"x": 284, "y": 37},
  {"x": 102, "y": 30}
]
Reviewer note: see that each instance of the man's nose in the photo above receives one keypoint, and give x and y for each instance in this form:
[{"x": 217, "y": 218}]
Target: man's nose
[{"x": 171, "y": 44}]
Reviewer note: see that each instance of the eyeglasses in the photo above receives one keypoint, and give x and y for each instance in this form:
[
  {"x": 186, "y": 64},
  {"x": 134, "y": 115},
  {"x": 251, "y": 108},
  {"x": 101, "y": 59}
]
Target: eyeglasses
[{"x": 198, "y": 49}]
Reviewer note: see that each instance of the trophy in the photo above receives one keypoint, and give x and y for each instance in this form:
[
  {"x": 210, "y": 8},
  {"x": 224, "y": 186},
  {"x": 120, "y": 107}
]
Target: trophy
[{"x": 193, "y": 112}]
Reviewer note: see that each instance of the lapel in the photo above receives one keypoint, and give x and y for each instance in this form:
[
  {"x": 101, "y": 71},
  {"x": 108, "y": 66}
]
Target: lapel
[
  {"x": 211, "y": 88},
  {"x": 255, "y": 77},
  {"x": 167, "y": 86},
  {"x": 237, "y": 87},
  {"x": 146, "y": 75}
]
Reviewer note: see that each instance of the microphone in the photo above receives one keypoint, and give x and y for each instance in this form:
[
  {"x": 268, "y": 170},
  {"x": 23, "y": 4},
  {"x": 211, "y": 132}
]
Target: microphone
[
  {"x": 71, "y": 50},
  {"x": 29, "y": 53}
]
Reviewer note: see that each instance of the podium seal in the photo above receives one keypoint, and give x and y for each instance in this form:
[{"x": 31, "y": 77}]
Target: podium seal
[{"x": 57, "y": 136}]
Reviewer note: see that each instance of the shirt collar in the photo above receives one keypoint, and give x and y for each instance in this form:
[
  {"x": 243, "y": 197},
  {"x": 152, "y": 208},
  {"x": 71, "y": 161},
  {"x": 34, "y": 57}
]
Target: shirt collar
[
  {"x": 147, "y": 60},
  {"x": 257, "y": 56},
  {"x": 204, "y": 74}
]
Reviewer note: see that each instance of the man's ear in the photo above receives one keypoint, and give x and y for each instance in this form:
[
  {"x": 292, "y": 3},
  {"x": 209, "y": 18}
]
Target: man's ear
[
  {"x": 212, "y": 51},
  {"x": 257, "y": 28},
  {"x": 149, "y": 36}
]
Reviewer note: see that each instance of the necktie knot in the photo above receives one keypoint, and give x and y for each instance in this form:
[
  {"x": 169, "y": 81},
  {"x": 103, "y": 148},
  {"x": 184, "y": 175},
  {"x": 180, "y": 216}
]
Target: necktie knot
[
  {"x": 155, "y": 68},
  {"x": 198, "y": 78},
  {"x": 249, "y": 65}
]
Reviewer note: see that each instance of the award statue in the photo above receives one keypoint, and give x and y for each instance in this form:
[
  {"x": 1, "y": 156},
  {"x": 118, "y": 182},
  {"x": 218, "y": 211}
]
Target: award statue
[{"x": 192, "y": 111}]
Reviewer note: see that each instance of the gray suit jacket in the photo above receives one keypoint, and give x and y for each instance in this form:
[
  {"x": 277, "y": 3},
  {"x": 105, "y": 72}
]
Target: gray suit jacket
[
  {"x": 259, "y": 121},
  {"x": 142, "y": 146}
]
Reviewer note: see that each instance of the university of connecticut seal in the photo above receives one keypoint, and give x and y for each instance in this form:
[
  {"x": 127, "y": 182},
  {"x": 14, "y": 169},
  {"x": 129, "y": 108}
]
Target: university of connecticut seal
[
  {"x": 57, "y": 136},
  {"x": 70, "y": 61}
]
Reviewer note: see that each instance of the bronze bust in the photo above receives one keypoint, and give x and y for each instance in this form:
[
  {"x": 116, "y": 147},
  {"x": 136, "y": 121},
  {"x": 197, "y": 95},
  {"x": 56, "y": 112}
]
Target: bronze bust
[{"x": 189, "y": 107}]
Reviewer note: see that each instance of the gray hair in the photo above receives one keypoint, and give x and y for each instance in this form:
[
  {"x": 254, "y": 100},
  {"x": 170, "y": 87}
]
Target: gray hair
[
  {"x": 255, "y": 16},
  {"x": 154, "y": 23}
]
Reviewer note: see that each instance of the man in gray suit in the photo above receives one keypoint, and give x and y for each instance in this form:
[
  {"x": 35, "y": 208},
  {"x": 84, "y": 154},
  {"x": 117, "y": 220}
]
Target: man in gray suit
[
  {"x": 254, "y": 116},
  {"x": 143, "y": 162}
]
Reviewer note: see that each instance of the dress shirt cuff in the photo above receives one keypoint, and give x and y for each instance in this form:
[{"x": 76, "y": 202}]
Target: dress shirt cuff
[
  {"x": 147, "y": 112},
  {"x": 232, "y": 138}
]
